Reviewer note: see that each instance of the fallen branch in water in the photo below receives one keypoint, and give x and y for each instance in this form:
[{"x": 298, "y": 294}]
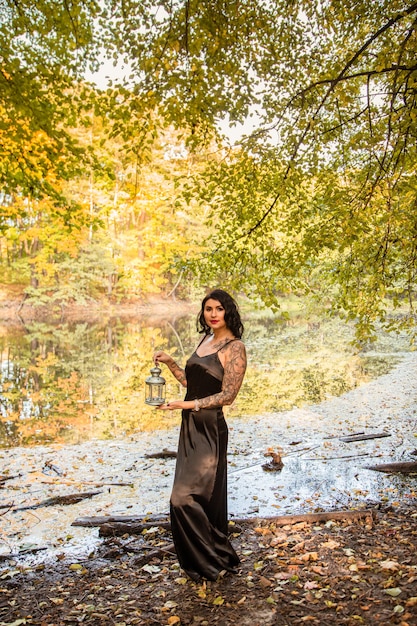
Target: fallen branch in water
[
  {"x": 364, "y": 437},
  {"x": 165, "y": 454},
  {"x": 4, "y": 478},
  {"x": 406, "y": 467},
  {"x": 69, "y": 499},
  {"x": 14, "y": 555},
  {"x": 7, "y": 506},
  {"x": 308, "y": 449}
]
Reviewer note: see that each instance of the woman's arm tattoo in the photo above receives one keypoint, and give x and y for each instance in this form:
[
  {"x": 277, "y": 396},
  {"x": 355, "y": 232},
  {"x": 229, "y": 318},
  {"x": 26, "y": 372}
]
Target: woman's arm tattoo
[
  {"x": 178, "y": 372},
  {"x": 234, "y": 371}
]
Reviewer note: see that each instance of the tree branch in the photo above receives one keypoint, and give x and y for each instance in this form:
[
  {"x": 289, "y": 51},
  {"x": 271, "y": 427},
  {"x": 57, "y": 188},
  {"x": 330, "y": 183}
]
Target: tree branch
[{"x": 332, "y": 83}]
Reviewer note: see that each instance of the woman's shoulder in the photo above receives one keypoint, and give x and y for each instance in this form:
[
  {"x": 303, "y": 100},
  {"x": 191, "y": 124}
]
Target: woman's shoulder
[{"x": 235, "y": 346}]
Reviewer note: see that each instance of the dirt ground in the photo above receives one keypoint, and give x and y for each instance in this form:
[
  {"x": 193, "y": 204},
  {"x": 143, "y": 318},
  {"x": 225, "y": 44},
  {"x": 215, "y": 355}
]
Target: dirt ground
[{"x": 337, "y": 572}]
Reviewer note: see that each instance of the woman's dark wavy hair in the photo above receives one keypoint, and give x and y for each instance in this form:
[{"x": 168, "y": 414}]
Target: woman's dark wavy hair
[{"x": 231, "y": 315}]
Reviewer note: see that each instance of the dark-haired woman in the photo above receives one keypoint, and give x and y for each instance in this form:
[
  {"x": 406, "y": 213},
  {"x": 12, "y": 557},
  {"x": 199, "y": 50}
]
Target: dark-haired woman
[{"x": 213, "y": 376}]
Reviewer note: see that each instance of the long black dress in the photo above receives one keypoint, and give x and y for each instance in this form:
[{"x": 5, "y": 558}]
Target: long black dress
[{"x": 199, "y": 496}]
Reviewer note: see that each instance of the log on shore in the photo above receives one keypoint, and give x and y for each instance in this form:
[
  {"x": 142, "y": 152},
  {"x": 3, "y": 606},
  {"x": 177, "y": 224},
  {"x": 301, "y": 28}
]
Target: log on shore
[
  {"x": 124, "y": 519},
  {"x": 406, "y": 467},
  {"x": 310, "y": 518},
  {"x": 117, "y": 529},
  {"x": 121, "y": 525}
]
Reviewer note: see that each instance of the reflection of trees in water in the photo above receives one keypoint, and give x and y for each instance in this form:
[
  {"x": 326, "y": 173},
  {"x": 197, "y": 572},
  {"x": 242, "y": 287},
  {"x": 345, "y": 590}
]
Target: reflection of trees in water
[
  {"x": 68, "y": 383},
  {"x": 295, "y": 363}
]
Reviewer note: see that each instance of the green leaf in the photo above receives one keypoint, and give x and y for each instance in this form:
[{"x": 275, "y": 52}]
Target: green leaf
[{"x": 393, "y": 591}]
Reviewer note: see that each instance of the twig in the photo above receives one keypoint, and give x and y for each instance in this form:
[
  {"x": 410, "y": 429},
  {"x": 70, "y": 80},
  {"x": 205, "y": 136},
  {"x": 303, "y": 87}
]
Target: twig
[
  {"x": 139, "y": 562},
  {"x": 318, "y": 487},
  {"x": 331, "y": 458},
  {"x": 303, "y": 449},
  {"x": 241, "y": 469},
  {"x": 8, "y": 507}
]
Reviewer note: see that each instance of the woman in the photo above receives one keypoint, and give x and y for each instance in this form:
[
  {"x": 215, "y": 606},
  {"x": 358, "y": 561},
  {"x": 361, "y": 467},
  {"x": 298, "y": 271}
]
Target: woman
[{"x": 213, "y": 376}]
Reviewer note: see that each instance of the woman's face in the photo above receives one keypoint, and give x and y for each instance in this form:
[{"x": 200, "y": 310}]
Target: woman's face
[{"x": 214, "y": 314}]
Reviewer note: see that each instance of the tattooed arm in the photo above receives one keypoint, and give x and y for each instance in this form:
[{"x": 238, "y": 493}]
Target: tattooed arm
[
  {"x": 234, "y": 371},
  {"x": 176, "y": 370}
]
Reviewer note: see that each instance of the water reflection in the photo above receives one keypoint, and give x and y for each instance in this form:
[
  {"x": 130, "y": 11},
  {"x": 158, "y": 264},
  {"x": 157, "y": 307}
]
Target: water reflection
[{"x": 71, "y": 383}]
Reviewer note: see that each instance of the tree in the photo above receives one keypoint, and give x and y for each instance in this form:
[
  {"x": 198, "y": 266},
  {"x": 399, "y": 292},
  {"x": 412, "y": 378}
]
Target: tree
[
  {"x": 77, "y": 163},
  {"x": 45, "y": 48},
  {"x": 325, "y": 184}
]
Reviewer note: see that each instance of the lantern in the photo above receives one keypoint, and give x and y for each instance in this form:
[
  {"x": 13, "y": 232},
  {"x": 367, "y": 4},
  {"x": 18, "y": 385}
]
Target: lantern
[{"x": 155, "y": 388}]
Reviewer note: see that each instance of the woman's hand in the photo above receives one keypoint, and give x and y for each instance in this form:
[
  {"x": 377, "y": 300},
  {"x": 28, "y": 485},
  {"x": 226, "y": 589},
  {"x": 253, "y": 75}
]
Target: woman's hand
[
  {"x": 176, "y": 404},
  {"x": 162, "y": 357},
  {"x": 176, "y": 370}
]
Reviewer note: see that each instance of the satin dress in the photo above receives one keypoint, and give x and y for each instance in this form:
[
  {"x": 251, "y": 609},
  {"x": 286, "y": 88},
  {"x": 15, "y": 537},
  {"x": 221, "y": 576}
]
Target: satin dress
[{"x": 198, "y": 504}]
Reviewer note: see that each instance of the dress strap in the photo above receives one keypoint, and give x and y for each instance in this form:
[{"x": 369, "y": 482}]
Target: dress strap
[{"x": 200, "y": 343}]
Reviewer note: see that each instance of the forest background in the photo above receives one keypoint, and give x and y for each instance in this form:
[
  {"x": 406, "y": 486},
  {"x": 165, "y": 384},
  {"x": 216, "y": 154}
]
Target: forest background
[{"x": 131, "y": 189}]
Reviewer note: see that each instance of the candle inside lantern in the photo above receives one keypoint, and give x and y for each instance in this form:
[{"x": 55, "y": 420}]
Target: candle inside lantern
[{"x": 155, "y": 388}]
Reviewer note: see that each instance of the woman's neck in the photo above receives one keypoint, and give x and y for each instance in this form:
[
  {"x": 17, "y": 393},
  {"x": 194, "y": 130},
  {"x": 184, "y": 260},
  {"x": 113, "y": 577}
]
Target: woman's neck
[{"x": 222, "y": 335}]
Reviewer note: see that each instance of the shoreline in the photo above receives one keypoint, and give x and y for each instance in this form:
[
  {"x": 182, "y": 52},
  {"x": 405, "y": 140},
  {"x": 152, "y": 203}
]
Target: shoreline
[
  {"x": 320, "y": 471},
  {"x": 17, "y": 312}
]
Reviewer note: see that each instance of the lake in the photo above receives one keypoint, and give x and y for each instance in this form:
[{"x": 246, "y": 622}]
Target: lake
[{"x": 69, "y": 383}]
